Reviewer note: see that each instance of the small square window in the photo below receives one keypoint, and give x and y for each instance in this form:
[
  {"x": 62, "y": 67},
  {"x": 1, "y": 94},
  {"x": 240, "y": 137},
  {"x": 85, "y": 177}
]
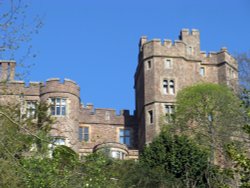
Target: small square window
[{"x": 168, "y": 64}]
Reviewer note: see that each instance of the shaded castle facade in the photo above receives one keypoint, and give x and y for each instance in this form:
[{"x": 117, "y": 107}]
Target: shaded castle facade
[{"x": 163, "y": 69}]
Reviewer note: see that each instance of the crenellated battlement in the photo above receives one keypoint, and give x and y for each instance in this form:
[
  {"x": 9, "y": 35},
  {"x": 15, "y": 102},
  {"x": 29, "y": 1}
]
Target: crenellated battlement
[
  {"x": 55, "y": 85},
  {"x": 89, "y": 114},
  {"x": 218, "y": 57},
  {"x": 188, "y": 45},
  {"x": 16, "y": 87}
]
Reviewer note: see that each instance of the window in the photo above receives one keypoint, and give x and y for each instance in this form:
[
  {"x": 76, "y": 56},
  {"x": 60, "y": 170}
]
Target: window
[
  {"x": 125, "y": 136},
  {"x": 189, "y": 50},
  {"x": 84, "y": 134},
  {"x": 30, "y": 109},
  {"x": 171, "y": 87},
  {"x": 148, "y": 64},
  {"x": 58, "y": 106},
  {"x": 117, "y": 154},
  {"x": 59, "y": 141},
  {"x": 165, "y": 86},
  {"x": 169, "y": 112},
  {"x": 151, "y": 116},
  {"x": 168, "y": 64},
  {"x": 202, "y": 71},
  {"x": 168, "y": 87}
]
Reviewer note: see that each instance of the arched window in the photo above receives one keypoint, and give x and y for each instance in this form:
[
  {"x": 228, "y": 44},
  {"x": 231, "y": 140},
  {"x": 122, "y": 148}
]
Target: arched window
[
  {"x": 165, "y": 86},
  {"x": 171, "y": 87}
]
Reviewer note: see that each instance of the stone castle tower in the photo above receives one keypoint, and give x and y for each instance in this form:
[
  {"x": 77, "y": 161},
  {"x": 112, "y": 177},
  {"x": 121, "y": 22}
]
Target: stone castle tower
[
  {"x": 166, "y": 67},
  {"x": 163, "y": 69}
]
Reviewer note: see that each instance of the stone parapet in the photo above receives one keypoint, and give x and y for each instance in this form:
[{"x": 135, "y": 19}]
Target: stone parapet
[{"x": 54, "y": 85}]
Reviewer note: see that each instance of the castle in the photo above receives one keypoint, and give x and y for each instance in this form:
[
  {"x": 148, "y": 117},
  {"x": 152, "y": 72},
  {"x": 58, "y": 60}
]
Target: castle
[{"x": 164, "y": 68}]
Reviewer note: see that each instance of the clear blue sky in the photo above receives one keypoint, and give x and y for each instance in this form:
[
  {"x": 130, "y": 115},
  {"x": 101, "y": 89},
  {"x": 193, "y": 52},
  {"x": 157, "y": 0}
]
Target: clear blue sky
[{"x": 95, "y": 42}]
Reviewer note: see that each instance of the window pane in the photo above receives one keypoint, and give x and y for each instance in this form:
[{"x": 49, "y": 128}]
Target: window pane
[
  {"x": 80, "y": 133},
  {"x": 63, "y": 101},
  {"x": 127, "y": 132},
  {"x": 202, "y": 71},
  {"x": 121, "y": 140},
  {"x": 127, "y": 141},
  {"x": 86, "y": 130},
  {"x": 57, "y": 110},
  {"x": 58, "y": 101},
  {"x": 63, "y": 110},
  {"x": 121, "y": 132},
  {"x": 59, "y": 141},
  {"x": 53, "y": 101},
  {"x": 52, "y": 109},
  {"x": 86, "y": 137}
]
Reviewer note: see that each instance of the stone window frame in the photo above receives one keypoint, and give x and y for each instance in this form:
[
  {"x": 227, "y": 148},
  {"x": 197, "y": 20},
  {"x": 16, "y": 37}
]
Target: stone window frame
[
  {"x": 149, "y": 64},
  {"x": 169, "y": 114},
  {"x": 190, "y": 50},
  {"x": 150, "y": 116},
  {"x": 84, "y": 134},
  {"x": 166, "y": 86},
  {"x": 170, "y": 65},
  {"x": 130, "y": 136},
  {"x": 31, "y": 110},
  {"x": 60, "y": 106},
  {"x": 202, "y": 73}
]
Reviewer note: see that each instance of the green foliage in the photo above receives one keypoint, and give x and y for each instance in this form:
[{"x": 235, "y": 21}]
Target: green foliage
[
  {"x": 241, "y": 165},
  {"x": 210, "y": 113},
  {"x": 180, "y": 157}
]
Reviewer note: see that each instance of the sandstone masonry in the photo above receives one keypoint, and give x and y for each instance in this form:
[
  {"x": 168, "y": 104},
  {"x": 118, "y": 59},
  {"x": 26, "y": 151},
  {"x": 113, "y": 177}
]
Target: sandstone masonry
[{"x": 164, "y": 68}]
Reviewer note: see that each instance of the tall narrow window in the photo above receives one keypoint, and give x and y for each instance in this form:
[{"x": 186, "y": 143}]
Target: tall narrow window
[
  {"x": 125, "y": 136},
  {"x": 189, "y": 50},
  {"x": 169, "y": 112},
  {"x": 202, "y": 71},
  {"x": 171, "y": 87},
  {"x": 168, "y": 64},
  {"x": 30, "y": 109},
  {"x": 165, "y": 86},
  {"x": 149, "y": 64},
  {"x": 151, "y": 116},
  {"x": 58, "y": 106},
  {"x": 84, "y": 134}
]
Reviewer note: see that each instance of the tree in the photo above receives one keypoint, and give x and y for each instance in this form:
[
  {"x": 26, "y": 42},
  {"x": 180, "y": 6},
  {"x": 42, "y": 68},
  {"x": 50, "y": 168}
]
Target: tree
[
  {"x": 17, "y": 30},
  {"x": 210, "y": 113},
  {"x": 244, "y": 70},
  {"x": 18, "y": 135},
  {"x": 180, "y": 161}
]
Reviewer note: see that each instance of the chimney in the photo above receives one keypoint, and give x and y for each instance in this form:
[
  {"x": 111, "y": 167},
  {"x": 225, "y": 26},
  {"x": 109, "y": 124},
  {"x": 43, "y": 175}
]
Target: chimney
[{"x": 7, "y": 70}]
